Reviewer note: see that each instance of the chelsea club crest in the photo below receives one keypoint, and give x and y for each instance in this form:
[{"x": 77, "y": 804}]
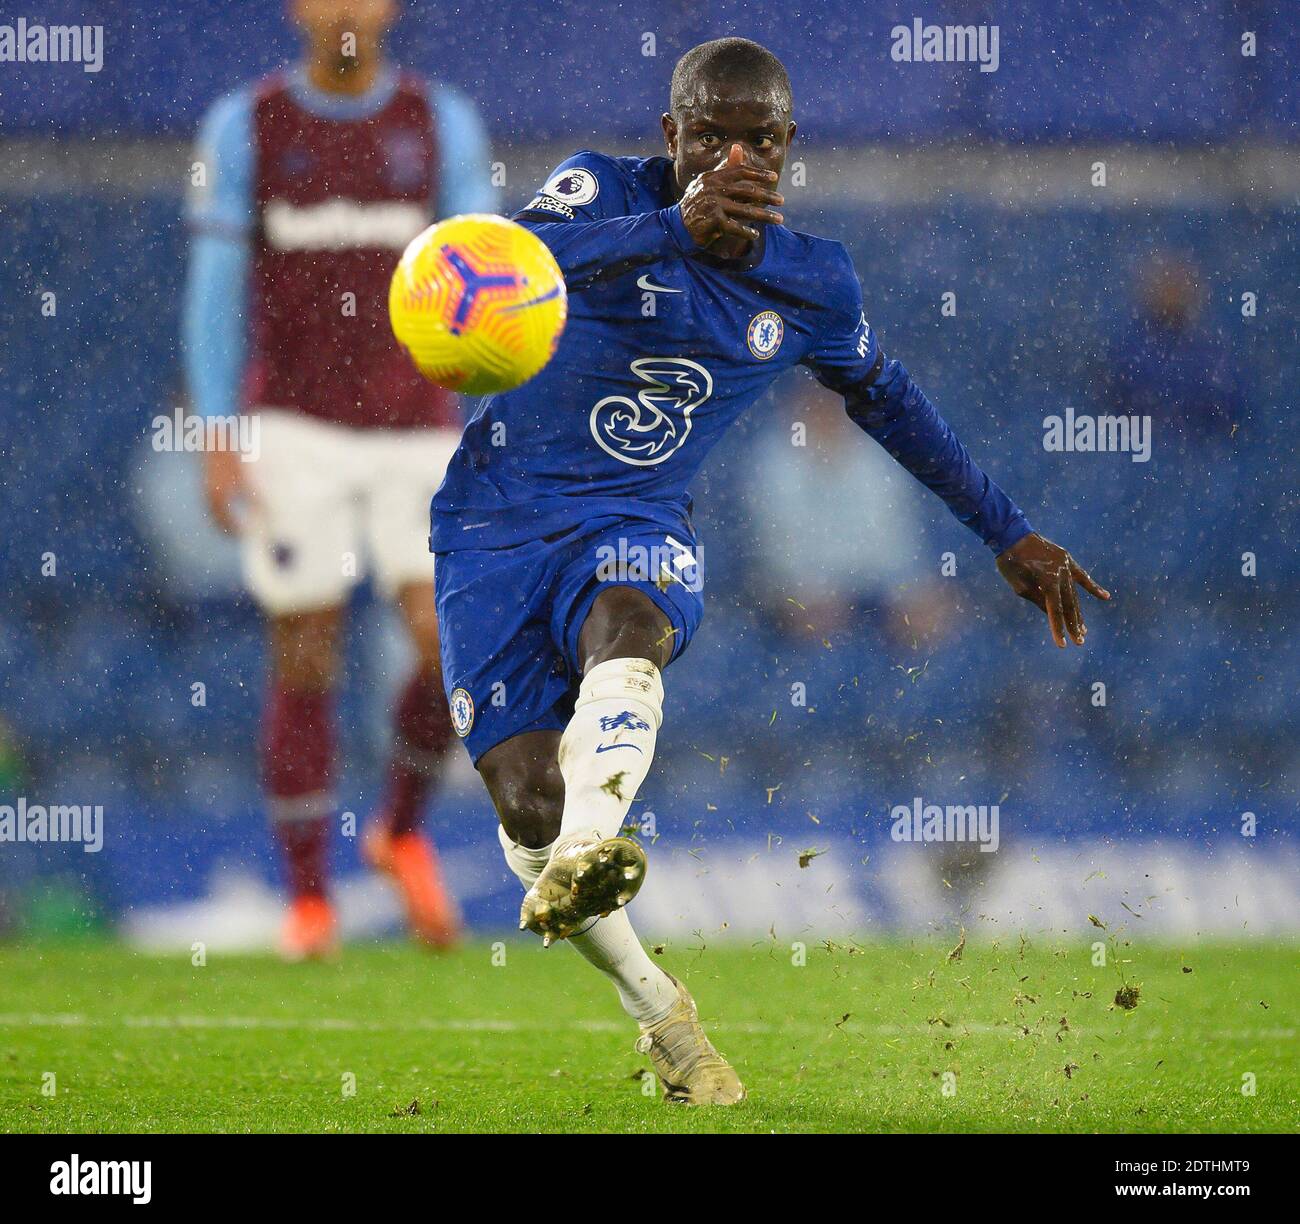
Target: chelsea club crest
[
  {"x": 764, "y": 335},
  {"x": 462, "y": 711}
]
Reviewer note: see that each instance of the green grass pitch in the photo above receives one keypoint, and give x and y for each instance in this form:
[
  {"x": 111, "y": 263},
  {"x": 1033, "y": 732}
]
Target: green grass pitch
[{"x": 871, "y": 1036}]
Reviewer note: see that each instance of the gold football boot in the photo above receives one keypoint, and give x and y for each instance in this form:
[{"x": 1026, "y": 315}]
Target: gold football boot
[
  {"x": 587, "y": 877},
  {"x": 690, "y": 1069}
]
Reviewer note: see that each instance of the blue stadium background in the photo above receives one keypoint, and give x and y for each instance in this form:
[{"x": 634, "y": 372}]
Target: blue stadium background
[
  {"x": 1202, "y": 665},
  {"x": 1154, "y": 71}
]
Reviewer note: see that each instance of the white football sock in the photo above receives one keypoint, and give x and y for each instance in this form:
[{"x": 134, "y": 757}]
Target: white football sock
[
  {"x": 606, "y": 749},
  {"x": 527, "y": 864},
  {"x": 646, "y": 991}
]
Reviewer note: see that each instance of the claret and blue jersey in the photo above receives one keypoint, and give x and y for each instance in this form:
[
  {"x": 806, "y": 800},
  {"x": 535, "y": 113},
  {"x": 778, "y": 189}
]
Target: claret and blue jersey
[{"x": 665, "y": 346}]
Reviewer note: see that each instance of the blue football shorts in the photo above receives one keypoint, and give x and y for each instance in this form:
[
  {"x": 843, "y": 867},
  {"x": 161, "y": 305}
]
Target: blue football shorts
[{"x": 509, "y": 618}]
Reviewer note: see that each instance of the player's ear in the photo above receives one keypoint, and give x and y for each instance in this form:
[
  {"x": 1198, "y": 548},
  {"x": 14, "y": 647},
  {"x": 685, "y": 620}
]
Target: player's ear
[
  {"x": 669, "y": 125},
  {"x": 789, "y": 133}
]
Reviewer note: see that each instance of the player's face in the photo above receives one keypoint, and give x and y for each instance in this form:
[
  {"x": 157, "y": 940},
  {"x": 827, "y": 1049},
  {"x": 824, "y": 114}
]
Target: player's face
[
  {"x": 327, "y": 24},
  {"x": 700, "y": 135}
]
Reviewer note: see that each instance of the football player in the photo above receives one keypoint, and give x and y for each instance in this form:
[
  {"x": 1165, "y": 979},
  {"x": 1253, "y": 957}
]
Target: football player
[
  {"x": 311, "y": 183},
  {"x": 688, "y": 296}
]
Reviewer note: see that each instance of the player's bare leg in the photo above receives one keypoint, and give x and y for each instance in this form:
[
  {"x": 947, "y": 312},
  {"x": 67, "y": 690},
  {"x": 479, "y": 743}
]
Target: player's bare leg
[
  {"x": 561, "y": 805},
  {"x": 298, "y": 767},
  {"x": 394, "y": 843}
]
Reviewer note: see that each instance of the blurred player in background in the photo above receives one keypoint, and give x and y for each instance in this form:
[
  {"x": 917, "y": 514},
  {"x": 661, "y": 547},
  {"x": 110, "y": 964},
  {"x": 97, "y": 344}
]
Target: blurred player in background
[
  {"x": 1167, "y": 364},
  {"x": 316, "y": 178}
]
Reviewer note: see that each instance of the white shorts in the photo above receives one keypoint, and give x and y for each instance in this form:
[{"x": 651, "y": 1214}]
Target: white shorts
[{"x": 330, "y": 501}]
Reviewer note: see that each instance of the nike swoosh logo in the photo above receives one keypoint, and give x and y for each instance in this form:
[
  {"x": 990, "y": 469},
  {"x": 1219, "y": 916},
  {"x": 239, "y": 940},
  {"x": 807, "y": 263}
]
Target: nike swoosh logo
[
  {"x": 611, "y": 747},
  {"x": 644, "y": 282}
]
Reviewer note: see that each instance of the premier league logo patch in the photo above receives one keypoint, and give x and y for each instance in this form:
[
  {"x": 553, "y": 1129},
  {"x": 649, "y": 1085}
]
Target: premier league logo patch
[
  {"x": 573, "y": 187},
  {"x": 462, "y": 711},
  {"x": 764, "y": 335}
]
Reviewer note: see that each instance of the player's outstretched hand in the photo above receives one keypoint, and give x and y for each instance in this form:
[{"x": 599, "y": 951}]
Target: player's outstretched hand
[
  {"x": 731, "y": 201},
  {"x": 1045, "y": 574}
]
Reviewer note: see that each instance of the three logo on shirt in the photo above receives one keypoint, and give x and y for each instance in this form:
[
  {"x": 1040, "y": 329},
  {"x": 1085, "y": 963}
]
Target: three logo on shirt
[{"x": 646, "y": 429}]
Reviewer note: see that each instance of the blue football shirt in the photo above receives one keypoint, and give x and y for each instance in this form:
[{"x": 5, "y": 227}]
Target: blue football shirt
[{"x": 665, "y": 346}]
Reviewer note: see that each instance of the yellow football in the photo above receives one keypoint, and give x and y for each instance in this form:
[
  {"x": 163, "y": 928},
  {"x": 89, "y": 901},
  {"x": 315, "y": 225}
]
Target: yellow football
[{"x": 479, "y": 303}]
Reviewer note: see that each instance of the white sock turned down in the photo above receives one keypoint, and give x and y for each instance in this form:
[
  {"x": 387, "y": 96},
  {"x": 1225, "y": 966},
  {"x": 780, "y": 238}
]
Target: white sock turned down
[{"x": 606, "y": 749}]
